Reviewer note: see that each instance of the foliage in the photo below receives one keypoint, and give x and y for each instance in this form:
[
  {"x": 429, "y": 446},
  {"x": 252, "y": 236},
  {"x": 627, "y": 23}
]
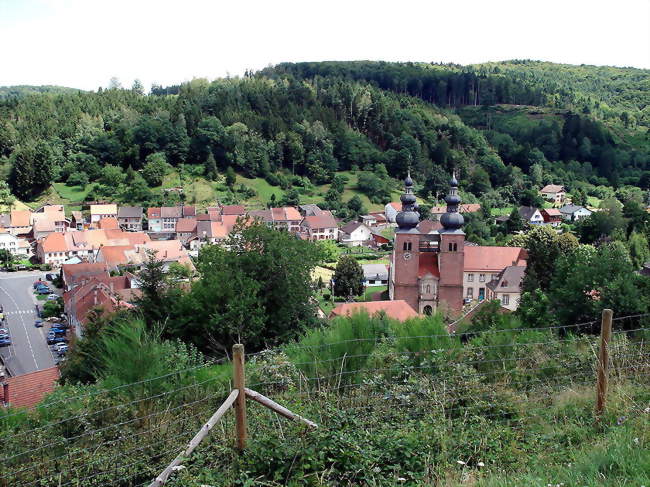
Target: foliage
[
  {"x": 348, "y": 278},
  {"x": 155, "y": 168}
]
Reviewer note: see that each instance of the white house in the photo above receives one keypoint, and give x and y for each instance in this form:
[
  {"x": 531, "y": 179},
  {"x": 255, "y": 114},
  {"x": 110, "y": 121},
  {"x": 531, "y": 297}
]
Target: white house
[
  {"x": 375, "y": 275},
  {"x": 19, "y": 247},
  {"x": 574, "y": 213},
  {"x": 554, "y": 192},
  {"x": 531, "y": 215},
  {"x": 355, "y": 234},
  {"x": 97, "y": 212},
  {"x": 391, "y": 210}
]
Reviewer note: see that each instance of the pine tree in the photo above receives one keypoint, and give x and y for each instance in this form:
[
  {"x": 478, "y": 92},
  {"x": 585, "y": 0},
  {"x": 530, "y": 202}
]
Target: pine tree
[
  {"x": 211, "y": 167},
  {"x": 231, "y": 177}
]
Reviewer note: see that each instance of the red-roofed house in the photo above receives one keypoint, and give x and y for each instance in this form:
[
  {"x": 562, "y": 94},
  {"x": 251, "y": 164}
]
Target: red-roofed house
[
  {"x": 20, "y": 222},
  {"x": 108, "y": 223},
  {"x": 398, "y": 310},
  {"x": 466, "y": 208},
  {"x": 320, "y": 227},
  {"x": 554, "y": 192},
  {"x": 391, "y": 210},
  {"x": 98, "y": 292},
  {"x": 73, "y": 274},
  {"x": 552, "y": 216},
  {"x": 164, "y": 219},
  {"x": 27, "y": 390},
  {"x": 237, "y": 210},
  {"x": 483, "y": 264}
]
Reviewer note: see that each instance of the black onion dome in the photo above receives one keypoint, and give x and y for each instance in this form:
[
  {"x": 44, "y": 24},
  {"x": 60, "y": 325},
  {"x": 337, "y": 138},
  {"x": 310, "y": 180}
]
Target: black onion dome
[
  {"x": 407, "y": 199},
  {"x": 452, "y": 221},
  {"x": 453, "y": 181},
  {"x": 407, "y": 220},
  {"x": 408, "y": 182},
  {"x": 452, "y": 199}
]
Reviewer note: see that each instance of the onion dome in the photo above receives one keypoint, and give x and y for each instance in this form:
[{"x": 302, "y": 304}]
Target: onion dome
[
  {"x": 408, "y": 218},
  {"x": 452, "y": 219}
]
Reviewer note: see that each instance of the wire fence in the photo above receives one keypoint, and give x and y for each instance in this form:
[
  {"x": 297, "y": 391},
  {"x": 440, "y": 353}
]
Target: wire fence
[{"x": 126, "y": 435}]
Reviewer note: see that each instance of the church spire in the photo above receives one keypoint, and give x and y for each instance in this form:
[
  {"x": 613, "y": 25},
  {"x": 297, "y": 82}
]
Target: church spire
[
  {"x": 452, "y": 220},
  {"x": 408, "y": 218}
]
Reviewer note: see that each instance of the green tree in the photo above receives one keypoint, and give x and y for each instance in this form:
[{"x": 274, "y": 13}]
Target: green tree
[
  {"x": 231, "y": 178},
  {"x": 355, "y": 205},
  {"x": 348, "y": 277},
  {"x": 639, "y": 249},
  {"x": 6, "y": 198},
  {"x": 514, "y": 223},
  {"x": 137, "y": 87},
  {"x": 290, "y": 198},
  {"x": 211, "y": 168},
  {"x": 155, "y": 168}
]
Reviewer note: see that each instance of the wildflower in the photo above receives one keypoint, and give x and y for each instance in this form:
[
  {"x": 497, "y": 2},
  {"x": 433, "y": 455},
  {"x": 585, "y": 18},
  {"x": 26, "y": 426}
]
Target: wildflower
[
  {"x": 401, "y": 479},
  {"x": 460, "y": 462},
  {"x": 376, "y": 469},
  {"x": 178, "y": 467},
  {"x": 480, "y": 464}
]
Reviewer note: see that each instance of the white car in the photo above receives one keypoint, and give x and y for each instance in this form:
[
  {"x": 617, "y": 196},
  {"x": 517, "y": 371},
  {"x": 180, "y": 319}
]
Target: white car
[
  {"x": 52, "y": 297},
  {"x": 61, "y": 348}
]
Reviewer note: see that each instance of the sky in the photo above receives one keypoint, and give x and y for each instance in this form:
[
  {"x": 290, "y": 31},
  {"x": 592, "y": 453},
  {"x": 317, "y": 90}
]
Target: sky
[{"x": 83, "y": 43}]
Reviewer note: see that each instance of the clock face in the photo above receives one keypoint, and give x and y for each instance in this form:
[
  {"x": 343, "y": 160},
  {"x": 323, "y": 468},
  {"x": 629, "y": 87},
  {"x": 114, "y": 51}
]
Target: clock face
[{"x": 407, "y": 255}]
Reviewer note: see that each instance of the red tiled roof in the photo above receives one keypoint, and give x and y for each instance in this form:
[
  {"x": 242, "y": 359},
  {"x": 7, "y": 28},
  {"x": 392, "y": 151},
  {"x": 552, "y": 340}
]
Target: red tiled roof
[
  {"x": 233, "y": 210},
  {"x": 428, "y": 226},
  {"x": 186, "y": 225},
  {"x": 28, "y": 390},
  {"x": 428, "y": 264},
  {"x": 552, "y": 211},
  {"x": 396, "y": 204},
  {"x": 153, "y": 212},
  {"x": 21, "y": 218},
  {"x": 115, "y": 255},
  {"x": 480, "y": 258},
  {"x": 326, "y": 220},
  {"x": 54, "y": 242},
  {"x": 552, "y": 188},
  {"x": 189, "y": 211},
  {"x": 109, "y": 223},
  {"x": 397, "y": 309},
  {"x": 75, "y": 272}
]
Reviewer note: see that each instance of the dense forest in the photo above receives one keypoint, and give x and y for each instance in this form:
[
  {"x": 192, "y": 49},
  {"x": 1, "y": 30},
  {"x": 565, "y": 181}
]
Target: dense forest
[{"x": 505, "y": 126}]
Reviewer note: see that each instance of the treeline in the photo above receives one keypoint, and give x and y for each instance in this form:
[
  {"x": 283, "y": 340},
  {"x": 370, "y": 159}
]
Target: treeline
[{"x": 259, "y": 127}]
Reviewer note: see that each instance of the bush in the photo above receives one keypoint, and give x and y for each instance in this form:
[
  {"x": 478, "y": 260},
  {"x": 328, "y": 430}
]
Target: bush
[{"x": 77, "y": 179}]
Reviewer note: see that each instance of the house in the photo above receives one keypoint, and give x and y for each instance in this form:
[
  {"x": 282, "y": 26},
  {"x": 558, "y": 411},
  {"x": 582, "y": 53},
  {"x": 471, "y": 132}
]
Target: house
[
  {"x": 164, "y": 219},
  {"x": 368, "y": 220},
  {"x": 552, "y": 216},
  {"x": 506, "y": 287},
  {"x": 484, "y": 264},
  {"x": 43, "y": 225},
  {"x": 531, "y": 215},
  {"x": 130, "y": 218},
  {"x": 391, "y": 210},
  {"x": 554, "y": 193},
  {"x": 355, "y": 234},
  {"x": 573, "y": 213},
  {"x": 168, "y": 251},
  {"x": 20, "y": 222},
  {"x": 397, "y": 310},
  {"x": 97, "y": 212},
  {"x": 56, "y": 248},
  {"x": 287, "y": 218},
  {"x": 236, "y": 210},
  {"x": 73, "y": 274},
  {"x": 212, "y": 232},
  {"x": 186, "y": 229},
  {"x": 321, "y": 227},
  {"x": 375, "y": 274},
  {"x": 378, "y": 239},
  {"x": 53, "y": 213},
  {"x": 27, "y": 390},
  {"x": 77, "y": 220},
  {"x": 19, "y": 247}
]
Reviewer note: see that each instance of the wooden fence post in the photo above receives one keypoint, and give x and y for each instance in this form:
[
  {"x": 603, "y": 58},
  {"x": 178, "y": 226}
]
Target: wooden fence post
[
  {"x": 603, "y": 362},
  {"x": 239, "y": 382}
]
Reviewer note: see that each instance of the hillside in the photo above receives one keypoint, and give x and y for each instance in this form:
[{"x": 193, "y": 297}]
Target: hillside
[{"x": 20, "y": 91}]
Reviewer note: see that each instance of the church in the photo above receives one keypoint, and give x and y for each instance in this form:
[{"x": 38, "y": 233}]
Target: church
[{"x": 432, "y": 266}]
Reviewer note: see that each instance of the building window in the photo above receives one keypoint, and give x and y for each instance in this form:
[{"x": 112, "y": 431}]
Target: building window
[
  {"x": 428, "y": 310},
  {"x": 407, "y": 246},
  {"x": 470, "y": 277},
  {"x": 455, "y": 247},
  {"x": 505, "y": 299},
  {"x": 450, "y": 247},
  {"x": 428, "y": 288},
  {"x": 481, "y": 277},
  {"x": 470, "y": 292}
]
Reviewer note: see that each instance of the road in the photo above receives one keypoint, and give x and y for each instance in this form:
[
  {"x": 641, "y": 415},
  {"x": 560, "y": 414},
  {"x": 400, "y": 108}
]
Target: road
[{"x": 28, "y": 351}]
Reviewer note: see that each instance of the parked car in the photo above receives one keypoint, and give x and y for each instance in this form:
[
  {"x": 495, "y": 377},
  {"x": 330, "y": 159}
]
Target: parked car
[
  {"x": 50, "y": 277},
  {"x": 21, "y": 267},
  {"x": 43, "y": 290},
  {"x": 38, "y": 323},
  {"x": 61, "y": 349},
  {"x": 58, "y": 331},
  {"x": 53, "y": 339},
  {"x": 5, "y": 342},
  {"x": 39, "y": 283},
  {"x": 4, "y": 330},
  {"x": 52, "y": 297},
  {"x": 4, "y": 335}
]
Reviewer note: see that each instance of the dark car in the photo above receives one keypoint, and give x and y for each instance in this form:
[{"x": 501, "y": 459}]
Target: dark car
[
  {"x": 43, "y": 290},
  {"x": 52, "y": 339},
  {"x": 38, "y": 323},
  {"x": 50, "y": 277},
  {"x": 57, "y": 331},
  {"x": 5, "y": 342}
]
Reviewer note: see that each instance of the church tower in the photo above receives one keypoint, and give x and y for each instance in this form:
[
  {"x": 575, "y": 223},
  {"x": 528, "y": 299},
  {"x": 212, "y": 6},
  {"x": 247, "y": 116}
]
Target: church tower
[
  {"x": 451, "y": 259},
  {"x": 406, "y": 253}
]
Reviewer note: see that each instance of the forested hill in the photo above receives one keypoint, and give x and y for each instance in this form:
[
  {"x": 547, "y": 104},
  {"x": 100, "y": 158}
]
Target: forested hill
[
  {"x": 604, "y": 91},
  {"x": 506, "y": 127},
  {"x": 24, "y": 90}
]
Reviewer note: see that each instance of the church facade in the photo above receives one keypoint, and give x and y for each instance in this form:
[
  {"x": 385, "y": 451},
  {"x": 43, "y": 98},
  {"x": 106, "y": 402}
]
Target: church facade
[{"x": 432, "y": 266}]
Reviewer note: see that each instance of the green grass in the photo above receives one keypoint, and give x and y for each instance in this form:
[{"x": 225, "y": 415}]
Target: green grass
[
  {"x": 370, "y": 291},
  {"x": 501, "y": 211},
  {"x": 72, "y": 194}
]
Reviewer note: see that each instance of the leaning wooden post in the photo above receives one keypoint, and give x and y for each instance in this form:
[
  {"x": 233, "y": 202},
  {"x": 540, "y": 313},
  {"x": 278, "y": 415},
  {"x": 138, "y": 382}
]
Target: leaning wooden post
[
  {"x": 603, "y": 362},
  {"x": 239, "y": 382}
]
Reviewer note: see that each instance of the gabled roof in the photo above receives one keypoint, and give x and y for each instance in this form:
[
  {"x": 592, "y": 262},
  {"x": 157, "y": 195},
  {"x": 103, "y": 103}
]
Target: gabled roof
[
  {"x": 54, "y": 242},
  {"x": 117, "y": 255},
  {"x": 397, "y": 205},
  {"x": 28, "y": 390},
  {"x": 493, "y": 259},
  {"x": 73, "y": 273},
  {"x": 398, "y": 309},
  {"x": 110, "y": 209},
  {"x": 571, "y": 209},
  {"x": 43, "y": 223},
  {"x": 351, "y": 227},
  {"x": 77, "y": 215},
  {"x": 129, "y": 212},
  {"x": 552, "y": 212},
  {"x": 527, "y": 212},
  {"x": 326, "y": 220},
  {"x": 375, "y": 271},
  {"x": 171, "y": 211},
  {"x": 186, "y": 225},
  {"x": 552, "y": 188},
  {"x": 21, "y": 218},
  {"x": 509, "y": 280},
  {"x": 463, "y": 208},
  {"x": 153, "y": 212},
  {"x": 310, "y": 209},
  {"x": 233, "y": 210}
]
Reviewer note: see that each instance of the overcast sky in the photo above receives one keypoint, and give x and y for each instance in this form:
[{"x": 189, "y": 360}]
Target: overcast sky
[{"x": 83, "y": 43}]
